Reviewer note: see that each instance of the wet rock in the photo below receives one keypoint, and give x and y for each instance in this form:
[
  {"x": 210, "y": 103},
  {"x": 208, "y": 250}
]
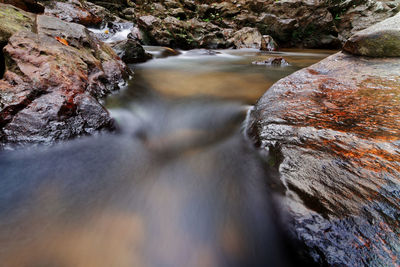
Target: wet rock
[
  {"x": 130, "y": 51},
  {"x": 380, "y": 40},
  {"x": 73, "y": 11},
  {"x": 53, "y": 81},
  {"x": 275, "y": 61},
  {"x": 247, "y": 38},
  {"x": 268, "y": 43},
  {"x": 110, "y": 68},
  {"x": 27, "y": 5},
  {"x": 332, "y": 131}
]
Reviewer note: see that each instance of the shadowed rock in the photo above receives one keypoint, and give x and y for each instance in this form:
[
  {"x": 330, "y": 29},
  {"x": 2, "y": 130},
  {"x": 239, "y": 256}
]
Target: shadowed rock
[
  {"x": 332, "y": 131},
  {"x": 130, "y": 51}
]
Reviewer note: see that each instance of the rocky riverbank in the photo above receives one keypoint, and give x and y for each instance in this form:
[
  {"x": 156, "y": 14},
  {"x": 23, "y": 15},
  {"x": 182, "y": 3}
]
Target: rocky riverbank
[
  {"x": 55, "y": 74},
  {"x": 332, "y": 131},
  {"x": 215, "y": 24}
]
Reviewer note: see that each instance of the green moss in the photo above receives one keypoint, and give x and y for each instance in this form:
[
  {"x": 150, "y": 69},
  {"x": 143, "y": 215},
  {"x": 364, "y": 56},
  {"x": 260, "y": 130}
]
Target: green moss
[{"x": 13, "y": 20}]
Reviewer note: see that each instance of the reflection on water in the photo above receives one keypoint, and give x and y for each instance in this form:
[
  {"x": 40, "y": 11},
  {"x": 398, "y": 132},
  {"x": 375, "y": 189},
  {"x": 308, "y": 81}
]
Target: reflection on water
[{"x": 176, "y": 186}]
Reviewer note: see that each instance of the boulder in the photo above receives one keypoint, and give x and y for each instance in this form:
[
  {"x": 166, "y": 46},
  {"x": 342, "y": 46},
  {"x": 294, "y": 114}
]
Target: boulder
[
  {"x": 380, "y": 40},
  {"x": 332, "y": 132},
  {"x": 53, "y": 82},
  {"x": 247, "y": 38},
  {"x": 130, "y": 51}
]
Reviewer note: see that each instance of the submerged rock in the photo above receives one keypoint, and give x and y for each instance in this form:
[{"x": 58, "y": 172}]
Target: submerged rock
[
  {"x": 53, "y": 81},
  {"x": 380, "y": 40},
  {"x": 274, "y": 61},
  {"x": 332, "y": 131}
]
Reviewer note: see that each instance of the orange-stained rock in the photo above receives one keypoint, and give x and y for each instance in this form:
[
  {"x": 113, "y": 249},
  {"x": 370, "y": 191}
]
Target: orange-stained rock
[{"x": 333, "y": 131}]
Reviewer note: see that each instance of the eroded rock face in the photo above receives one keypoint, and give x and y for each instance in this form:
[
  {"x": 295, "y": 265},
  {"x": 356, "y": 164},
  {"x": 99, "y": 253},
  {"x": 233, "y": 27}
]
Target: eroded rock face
[
  {"x": 53, "y": 81},
  {"x": 332, "y": 131},
  {"x": 380, "y": 40}
]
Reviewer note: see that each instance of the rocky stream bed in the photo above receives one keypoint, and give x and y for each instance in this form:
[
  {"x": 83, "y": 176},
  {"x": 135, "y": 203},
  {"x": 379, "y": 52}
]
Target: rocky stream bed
[{"x": 330, "y": 131}]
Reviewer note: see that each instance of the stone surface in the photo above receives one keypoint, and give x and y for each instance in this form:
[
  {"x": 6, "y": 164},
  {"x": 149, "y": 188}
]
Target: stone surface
[
  {"x": 332, "y": 131},
  {"x": 12, "y": 20},
  {"x": 53, "y": 81},
  {"x": 379, "y": 40}
]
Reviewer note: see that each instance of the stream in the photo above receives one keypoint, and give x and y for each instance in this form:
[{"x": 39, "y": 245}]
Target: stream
[{"x": 176, "y": 185}]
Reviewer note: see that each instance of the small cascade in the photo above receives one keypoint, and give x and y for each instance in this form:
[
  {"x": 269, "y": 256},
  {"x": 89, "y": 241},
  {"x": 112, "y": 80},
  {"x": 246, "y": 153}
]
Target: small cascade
[{"x": 114, "y": 31}]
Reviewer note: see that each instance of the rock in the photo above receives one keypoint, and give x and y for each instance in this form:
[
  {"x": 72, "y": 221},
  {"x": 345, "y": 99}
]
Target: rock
[
  {"x": 77, "y": 36},
  {"x": 73, "y": 11},
  {"x": 268, "y": 43},
  {"x": 275, "y": 61},
  {"x": 27, "y": 5},
  {"x": 53, "y": 82},
  {"x": 12, "y": 20},
  {"x": 247, "y": 38},
  {"x": 332, "y": 132},
  {"x": 300, "y": 23},
  {"x": 380, "y": 40},
  {"x": 130, "y": 51}
]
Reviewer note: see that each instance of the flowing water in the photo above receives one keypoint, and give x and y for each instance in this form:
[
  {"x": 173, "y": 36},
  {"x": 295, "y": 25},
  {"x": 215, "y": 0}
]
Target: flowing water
[{"x": 177, "y": 185}]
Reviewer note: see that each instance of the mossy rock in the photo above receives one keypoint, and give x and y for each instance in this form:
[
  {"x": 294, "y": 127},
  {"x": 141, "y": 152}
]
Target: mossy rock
[{"x": 13, "y": 20}]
